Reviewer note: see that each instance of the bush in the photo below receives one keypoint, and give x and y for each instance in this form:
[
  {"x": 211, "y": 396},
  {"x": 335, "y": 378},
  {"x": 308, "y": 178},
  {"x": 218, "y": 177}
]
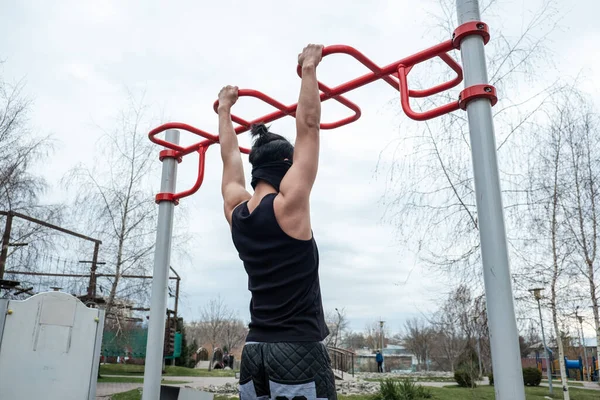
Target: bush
[
  {"x": 532, "y": 376},
  {"x": 491, "y": 378},
  {"x": 464, "y": 378},
  {"x": 391, "y": 389}
]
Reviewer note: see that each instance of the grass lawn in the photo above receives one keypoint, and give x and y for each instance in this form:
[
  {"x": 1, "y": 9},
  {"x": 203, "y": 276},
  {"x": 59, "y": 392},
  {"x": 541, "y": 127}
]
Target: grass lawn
[
  {"x": 556, "y": 382},
  {"x": 133, "y": 379},
  {"x": 487, "y": 393},
  {"x": 445, "y": 393},
  {"x": 138, "y": 370},
  {"x": 130, "y": 395},
  {"x": 417, "y": 379}
]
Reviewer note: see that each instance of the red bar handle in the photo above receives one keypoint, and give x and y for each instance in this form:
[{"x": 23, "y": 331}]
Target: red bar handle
[
  {"x": 182, "y": 151},
  {"x": 175, "y": 197},
  {"x": 444, "y": 86},
  {"x": 404, "y": 100},
  {"x": 201, "y": 162},
  {"x": 290, "y": 110}
]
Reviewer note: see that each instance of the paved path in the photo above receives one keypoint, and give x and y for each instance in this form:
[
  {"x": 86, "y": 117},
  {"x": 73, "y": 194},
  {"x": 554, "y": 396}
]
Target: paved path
[{"x": 105, "y": 389}]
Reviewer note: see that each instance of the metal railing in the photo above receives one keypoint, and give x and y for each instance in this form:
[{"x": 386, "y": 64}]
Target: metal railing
[{"x": 342, "y": 360}]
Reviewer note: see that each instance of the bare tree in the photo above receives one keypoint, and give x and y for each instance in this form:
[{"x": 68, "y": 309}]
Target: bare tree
[
  {"x": 581, "y": 202},
  {"x": 116, "y": 201},
  {"x": 337, "y": 322},
  {"x": 548, "y": 188},
  {"x": 20, "y": 188},
  {"x": 19, "y": 149},
  {"x": 418, "y": 338},
  {"x": 234, "y": 333},
  {"x": 214, "y": 318},
  {"x": 372, "y": 335},
  {"x": 452, "y": 328},
  {"x": 354, "y": 340}
]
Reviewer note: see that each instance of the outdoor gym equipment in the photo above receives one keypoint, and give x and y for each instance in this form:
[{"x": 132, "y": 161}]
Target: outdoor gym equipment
[{"x": 477, "y": 99}]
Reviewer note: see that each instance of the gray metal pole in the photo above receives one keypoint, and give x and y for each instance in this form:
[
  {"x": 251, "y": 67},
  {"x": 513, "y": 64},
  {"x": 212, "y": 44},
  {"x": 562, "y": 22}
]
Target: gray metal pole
[
  {"x": 504, "y": 337},
  {"x": 381, "y": 333},
  {"x": 479, "y": 356},
  {"x": 587, "y": 368},
  {"x": 162, "y": 260},
  {"x": 548, "y": 368}
]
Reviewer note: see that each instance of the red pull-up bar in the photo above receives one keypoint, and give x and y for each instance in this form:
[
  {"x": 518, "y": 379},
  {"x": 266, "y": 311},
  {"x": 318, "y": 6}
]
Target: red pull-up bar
[{"x": 395, "y": 74}]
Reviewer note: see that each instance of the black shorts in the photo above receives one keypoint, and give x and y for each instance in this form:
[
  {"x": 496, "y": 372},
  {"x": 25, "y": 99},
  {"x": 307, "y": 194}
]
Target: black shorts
[{"x": 292, "y": 371}]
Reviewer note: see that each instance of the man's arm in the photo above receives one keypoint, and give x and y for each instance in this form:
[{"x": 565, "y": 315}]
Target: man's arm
[
  {"x": 233, "y": 186},
  {"x": 297, "y": 184}
]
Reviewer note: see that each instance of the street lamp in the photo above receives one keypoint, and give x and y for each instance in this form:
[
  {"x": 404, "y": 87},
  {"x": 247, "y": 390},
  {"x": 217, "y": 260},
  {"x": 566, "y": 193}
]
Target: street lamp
[
  {"x": 381, "y": 333},
  {"x": 538, "y": 296},
  {"x": 585, "y": 359}
]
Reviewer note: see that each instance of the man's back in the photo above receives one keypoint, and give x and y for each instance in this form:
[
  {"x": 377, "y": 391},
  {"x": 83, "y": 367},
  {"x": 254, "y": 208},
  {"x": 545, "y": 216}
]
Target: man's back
[{"x": 283, "y": 276}]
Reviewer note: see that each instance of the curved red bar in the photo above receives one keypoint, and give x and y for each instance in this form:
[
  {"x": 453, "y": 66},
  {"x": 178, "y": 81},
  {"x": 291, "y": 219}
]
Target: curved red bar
[
  {"x": 210, "y": 138},
  {"x": 404, "y": 100},
  {"x": 290, "y": 110},
  {"x": 201, "y": 162},
  {"x": 444, "y": 86}
]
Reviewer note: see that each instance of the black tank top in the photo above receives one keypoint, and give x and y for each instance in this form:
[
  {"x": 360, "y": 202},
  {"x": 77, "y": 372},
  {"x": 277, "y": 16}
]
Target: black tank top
[{"x": 283, "y": 277}]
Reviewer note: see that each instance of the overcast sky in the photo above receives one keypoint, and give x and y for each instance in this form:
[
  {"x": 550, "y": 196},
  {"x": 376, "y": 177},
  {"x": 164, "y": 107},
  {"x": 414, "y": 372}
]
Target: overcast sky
[{"x": 80, "y": 58}]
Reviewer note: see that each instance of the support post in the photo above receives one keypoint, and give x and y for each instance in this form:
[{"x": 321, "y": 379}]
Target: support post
[
  {"x": 91, "y": 294},
  {"x": 587, "y": 368},
  {"x": 5, "y": 243},
  {"x": 547, "y": 351},
  {"x": 162, "y": 258},
  {"x": 504, "y": 336}
]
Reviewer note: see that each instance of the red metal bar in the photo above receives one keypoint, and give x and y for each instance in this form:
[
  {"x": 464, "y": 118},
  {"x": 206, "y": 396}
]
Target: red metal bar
[
  {"x": 290, "y": 110},
  {"x": 395, "y": 74},
  {"x": 183, "y": 151},
  {"x": 175, "y": 197},
  {"x": 444, "y": 86},
  {"x": 199, "y": 179},
  {"x": 423, "y": 116}
]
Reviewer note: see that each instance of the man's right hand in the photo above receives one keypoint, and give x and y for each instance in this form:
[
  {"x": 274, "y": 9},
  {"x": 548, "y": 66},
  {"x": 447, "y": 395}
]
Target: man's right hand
[
  {"x": 227, "y": 97},
  {"x": 311, "y": 55}
]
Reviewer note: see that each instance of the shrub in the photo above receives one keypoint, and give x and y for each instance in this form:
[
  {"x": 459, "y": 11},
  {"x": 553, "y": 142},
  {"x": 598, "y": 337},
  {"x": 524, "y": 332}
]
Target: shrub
[
  {"x": 491, "y": 378},
  {"x": 464, "y": 378},
  {"x": 532, "y": 376},
  {"x": 406, "y": 389}
]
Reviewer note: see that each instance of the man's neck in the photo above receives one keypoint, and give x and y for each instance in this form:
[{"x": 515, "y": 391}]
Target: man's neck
[{"x": 263, "y": 189}]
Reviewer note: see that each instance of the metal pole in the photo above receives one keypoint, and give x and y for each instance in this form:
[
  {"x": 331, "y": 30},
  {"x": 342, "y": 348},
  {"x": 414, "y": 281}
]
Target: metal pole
[
  {"x": 504, "y": 337},
  {"x": 479, "y": 356},
  {"x": 548, "y": 368},
  {"x": 91, "y": 294},
  {"x": 5, "y": 243},
  {"x": 162, "y": 258},
  {"x": 587, "y": 368},
  {"x": 176, "y": 308},
  {"x": 381, "y": 332}
]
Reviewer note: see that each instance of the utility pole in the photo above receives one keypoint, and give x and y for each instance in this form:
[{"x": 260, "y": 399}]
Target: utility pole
[
  {"x": 537, "y": 293},
  {"x": 381, "y": 322},
  {"x": 91, "y": 290},
  {"x": 5, "y": 243},
  {"x": 585, "y": 359}
]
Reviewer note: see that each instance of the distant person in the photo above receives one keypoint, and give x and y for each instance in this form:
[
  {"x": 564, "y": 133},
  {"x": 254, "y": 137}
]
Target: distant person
[
  {"x": 379, "y": 359},
  {"x": 284, "y": 356}
]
